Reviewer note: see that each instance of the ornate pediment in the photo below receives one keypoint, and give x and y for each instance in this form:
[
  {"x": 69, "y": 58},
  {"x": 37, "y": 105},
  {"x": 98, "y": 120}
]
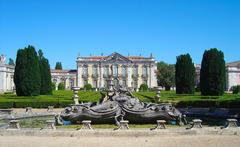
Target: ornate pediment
[{"x": 115, "y": 57}]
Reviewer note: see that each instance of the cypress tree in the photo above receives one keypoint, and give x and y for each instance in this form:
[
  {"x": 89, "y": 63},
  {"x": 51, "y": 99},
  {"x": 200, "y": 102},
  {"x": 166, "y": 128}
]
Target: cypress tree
[
  {"x": 27, "y": 73},
  {"x": 213, "y": 73},
  {"x": 46, "y": 84},
  {"x": 58, "y": 66},
  {"x": 185, "y": 75}
]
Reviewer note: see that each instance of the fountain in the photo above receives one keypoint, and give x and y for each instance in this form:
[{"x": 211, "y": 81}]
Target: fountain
[{"x": 118, "y": 104}]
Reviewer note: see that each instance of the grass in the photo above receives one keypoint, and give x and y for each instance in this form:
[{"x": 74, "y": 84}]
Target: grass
[{"x": 64, "y": 98}]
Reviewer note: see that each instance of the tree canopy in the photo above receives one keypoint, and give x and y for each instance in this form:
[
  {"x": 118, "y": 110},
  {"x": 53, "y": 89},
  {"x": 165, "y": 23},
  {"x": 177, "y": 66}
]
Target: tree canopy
[
  {"x": 185, "y": 75},
  {"x": 27, "y": 77},
  {"x": 11, "y": 62},
  {"x": 58, "y": 66},
  {"x": 46, "y": 84},
  {"x": 213, "y": 73},
  {"x": 165, "y": 75}
]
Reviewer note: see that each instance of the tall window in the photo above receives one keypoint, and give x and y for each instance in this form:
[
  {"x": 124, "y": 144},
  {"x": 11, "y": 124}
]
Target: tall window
[
  {"x": 85, "y": 70},
  {"x": 95, "y": 70},
  {"x": 124, "y": 71},
  {"x": 144, "y": 70},
  {"x": 115, "y": 70},
  {"x": 105, "y": 71},
  {"x": 135, "y": 70}
]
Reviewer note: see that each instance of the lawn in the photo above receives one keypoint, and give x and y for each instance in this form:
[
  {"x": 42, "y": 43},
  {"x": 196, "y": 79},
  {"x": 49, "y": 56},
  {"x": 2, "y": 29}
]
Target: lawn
[{"x": 64, "y": 98}]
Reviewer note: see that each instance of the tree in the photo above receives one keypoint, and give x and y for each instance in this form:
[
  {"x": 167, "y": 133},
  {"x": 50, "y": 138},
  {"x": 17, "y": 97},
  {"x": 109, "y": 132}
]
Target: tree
[
  {"x": 11, "y": 62},
  {"x": 46, "y": 84},
  {"x": 88, "y": 87},
  {"x": 143, "y": 87},
  {"x": 165, "y": 75},
  {"x": 61, "y": 86},
  {"x": 58, "y": 66},
  {"x": 27, "y": 72},
  {"x": 213, "y": 73},
  {"x": 185, "y": 75}
]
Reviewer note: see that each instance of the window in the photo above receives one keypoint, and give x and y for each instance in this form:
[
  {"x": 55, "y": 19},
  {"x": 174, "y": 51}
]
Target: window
[
  {"x": 95, "y": 83},
  {"x": 144, "y": 70},
  {"x": 105, "y": 71},
  {"x": 95, "y": 70},
  {"x": 135, "y": 70},
  {"x": 85, "y": 70},
  {"x": 124, "y": 71},
  {"x": 85, "y": 82},
  {"x": 115, "y": 70}
]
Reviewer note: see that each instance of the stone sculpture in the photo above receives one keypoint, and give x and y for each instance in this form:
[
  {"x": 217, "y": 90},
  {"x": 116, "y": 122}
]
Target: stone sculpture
[{"x": 119, "y": 104}]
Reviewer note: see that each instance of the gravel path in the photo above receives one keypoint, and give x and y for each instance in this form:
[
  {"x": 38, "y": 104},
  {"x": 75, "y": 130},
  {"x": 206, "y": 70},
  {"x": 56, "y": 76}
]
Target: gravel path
[{"x": 161, "y": 141}]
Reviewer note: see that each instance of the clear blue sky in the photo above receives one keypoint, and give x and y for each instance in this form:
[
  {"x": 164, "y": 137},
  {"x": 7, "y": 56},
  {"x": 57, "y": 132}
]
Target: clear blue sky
[{"x": 166, "y": 28}]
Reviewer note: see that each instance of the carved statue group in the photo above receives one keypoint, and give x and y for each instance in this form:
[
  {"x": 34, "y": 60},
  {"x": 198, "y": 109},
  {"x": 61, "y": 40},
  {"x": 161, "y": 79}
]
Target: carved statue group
[{"x": 117, "y": 104}]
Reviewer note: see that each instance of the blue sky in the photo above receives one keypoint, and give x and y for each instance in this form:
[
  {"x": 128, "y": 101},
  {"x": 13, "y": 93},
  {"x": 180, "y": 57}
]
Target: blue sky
[{"x": 166, "y": 28}]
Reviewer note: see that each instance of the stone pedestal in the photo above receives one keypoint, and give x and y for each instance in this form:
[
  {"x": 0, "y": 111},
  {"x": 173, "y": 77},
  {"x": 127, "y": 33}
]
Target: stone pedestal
[
  {"x": 14, "y": 124},
  {"x": 28, "y": 110},
  {"x": 123, "y": 125},
  {"x": 157, "y": 97},
  {"x": 231, "y": 123},
  {"x": 160, "y": 125},
  {"x": 50, "y": 124},
  {"x": 75, "y": 96},
  {"x": 86, "y": 125},
  {"x": 196, "y": 123},
  {"x": 50, "y": 109}
]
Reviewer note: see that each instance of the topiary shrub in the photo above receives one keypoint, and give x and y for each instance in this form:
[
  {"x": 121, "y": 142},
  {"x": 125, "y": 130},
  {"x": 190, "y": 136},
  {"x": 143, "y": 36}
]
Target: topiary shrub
[
  {"x": 61, "y": 86},
  {"x": 236, "y": 89},
  {"x": 143, "y": 87},
  {"x": 88, "y": 87}
]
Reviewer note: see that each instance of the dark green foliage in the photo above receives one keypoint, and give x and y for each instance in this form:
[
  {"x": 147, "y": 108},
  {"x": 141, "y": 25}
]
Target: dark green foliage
[
  {"x": 53, "y": 86},
  {"x": 88, "y": 87},
  {"x": 165, "y": 75},
  {"x": 61, "y": 86},
  {"x": 185, "y": 75},
  {"x": 27, "y": 73},
  {"x": 58, "y": 66},
  {"x": 236, "y": 89},
  {"x": 11, "y": 62},
  {"x": 143, "y": 87},
  {"x": 213, "y": 73},
  {"x": 46, "y": 84}
]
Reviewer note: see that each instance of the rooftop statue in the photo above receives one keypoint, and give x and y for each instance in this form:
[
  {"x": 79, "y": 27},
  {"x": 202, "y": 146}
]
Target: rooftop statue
[{"x": 117, "y": 104}]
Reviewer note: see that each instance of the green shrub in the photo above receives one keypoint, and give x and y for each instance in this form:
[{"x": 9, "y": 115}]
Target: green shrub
[
  {"x": 236, "y": 89},
  {"x": 143, "y": 87},
  {"x": 88, "y": 87},
  {"x": 61, "y": 86}
]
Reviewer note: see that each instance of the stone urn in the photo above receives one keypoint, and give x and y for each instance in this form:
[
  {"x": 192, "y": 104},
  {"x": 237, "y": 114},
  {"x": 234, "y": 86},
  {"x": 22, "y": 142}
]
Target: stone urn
[{"x": 75, "y": 94}]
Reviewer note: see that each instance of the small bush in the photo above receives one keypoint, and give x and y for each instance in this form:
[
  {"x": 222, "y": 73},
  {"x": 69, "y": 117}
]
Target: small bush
[
  {"x": 88, "y": 87},
  {"x": 53, "y": 85},
  {"x": 236, "y": 89},
  {"x": 143, "y": 87},
  {"x": 61, "y": 86}
]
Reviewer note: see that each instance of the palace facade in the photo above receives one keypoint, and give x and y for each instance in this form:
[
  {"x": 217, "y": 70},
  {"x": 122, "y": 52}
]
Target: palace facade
[{"x": 129, "y": 71}]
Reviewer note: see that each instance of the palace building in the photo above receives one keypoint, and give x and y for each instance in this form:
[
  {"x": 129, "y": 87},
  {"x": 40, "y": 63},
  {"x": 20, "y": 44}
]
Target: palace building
[{"x": 129, "y": 71}]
